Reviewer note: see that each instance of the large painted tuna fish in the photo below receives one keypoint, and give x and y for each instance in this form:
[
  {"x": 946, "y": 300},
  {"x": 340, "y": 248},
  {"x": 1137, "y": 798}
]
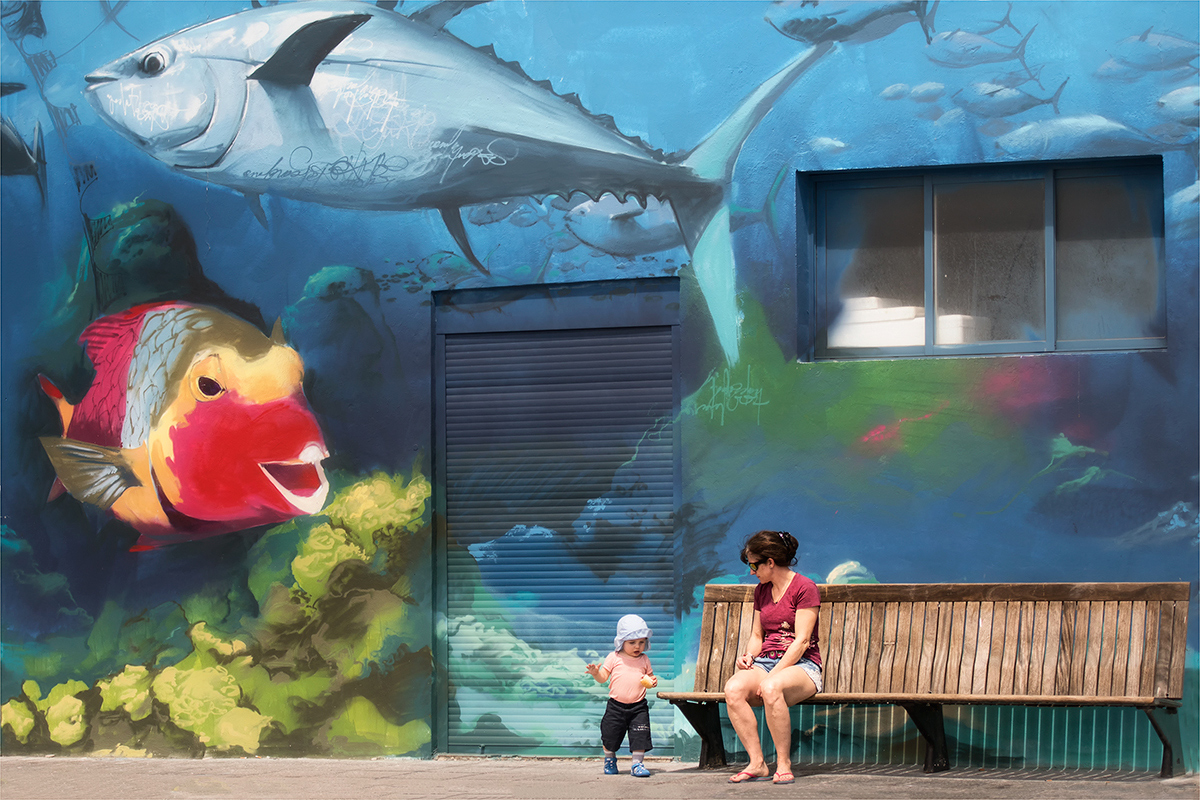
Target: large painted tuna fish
[
  {"x": 195, "y": 425},
  {"x": 355, "y": 106}
]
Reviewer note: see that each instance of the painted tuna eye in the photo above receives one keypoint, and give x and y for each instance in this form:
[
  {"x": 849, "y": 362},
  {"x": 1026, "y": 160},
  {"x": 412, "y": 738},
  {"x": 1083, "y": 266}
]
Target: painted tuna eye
[
  {"x": 153, "y": 63},
  {"x": 208, "y": 387}
]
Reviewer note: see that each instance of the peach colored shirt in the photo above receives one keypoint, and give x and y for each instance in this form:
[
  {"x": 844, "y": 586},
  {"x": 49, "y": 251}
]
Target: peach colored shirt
[{"x": 625, "y": 676}]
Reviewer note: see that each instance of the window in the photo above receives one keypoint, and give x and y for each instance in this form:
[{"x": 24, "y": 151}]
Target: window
[{"x": 994, "y": 259}]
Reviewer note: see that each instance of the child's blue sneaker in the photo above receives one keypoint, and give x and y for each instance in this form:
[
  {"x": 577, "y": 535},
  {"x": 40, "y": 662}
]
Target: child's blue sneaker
[
  {"x": 639, "y": 771},
  {"x": 610, "y": 766}
]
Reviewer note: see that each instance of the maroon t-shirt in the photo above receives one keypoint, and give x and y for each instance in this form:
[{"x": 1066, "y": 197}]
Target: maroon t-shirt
[{"x": 779, "y": 619}]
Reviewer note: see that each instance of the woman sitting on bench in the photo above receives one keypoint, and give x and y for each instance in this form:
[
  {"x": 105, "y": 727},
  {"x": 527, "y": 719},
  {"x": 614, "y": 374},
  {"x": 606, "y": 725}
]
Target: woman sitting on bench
[{"x": 781, "y": 665}]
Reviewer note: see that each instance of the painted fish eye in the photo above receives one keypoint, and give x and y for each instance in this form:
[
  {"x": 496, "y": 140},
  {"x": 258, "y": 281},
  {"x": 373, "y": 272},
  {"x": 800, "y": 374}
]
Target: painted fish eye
[
  {"x": 153, "y": 63},
  {"x": 209, "y": 387}
]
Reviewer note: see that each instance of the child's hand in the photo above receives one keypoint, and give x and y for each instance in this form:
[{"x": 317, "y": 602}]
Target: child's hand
[
  {"x": 592, "y": 669},
  {"x": 649, "y": 681}
]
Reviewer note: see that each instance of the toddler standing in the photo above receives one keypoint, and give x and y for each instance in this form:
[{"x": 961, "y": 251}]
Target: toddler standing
[{"x": 629, "y": 675}]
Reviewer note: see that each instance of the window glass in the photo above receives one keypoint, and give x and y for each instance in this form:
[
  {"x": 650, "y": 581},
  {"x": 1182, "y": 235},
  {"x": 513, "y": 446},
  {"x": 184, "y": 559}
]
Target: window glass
[
  {"x": 990, "y": 262},
  {"x": 1108, "y": 257},
  {"x": 875, "y": 266}
]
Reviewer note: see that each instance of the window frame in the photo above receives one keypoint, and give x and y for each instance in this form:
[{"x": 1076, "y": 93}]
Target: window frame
[{"x": 812, "y": 204}]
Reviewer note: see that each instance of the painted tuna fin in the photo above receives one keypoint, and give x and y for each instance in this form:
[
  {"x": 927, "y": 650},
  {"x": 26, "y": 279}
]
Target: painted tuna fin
[
  {"x": 453, "y": 219},
  {"x": 277, "y": 332},
  {"x": 39, "y": 160},
  {"x": 254, "y": 200},
  {"x": 10, "y": 87},
  {"x": 91, "y": 473},
  {"x": 925, "y": 18},
  {"x": 1019, "y": 51},
  {"x": 299, "y": 56},
  {"x": 438, "y": 14},
  {"x": 699, "y": 216},
  {"x": 387, "y": 5},
  {"x": 1054, "y": 100}
]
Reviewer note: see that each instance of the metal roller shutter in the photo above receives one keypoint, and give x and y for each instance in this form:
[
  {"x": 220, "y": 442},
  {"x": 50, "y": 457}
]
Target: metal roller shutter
[{"x": 559, "y": 494}]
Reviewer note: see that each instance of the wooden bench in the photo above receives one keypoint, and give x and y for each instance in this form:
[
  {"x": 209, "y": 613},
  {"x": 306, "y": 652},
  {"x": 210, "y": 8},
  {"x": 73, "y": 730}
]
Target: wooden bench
[{"x": 922, "y": 646}]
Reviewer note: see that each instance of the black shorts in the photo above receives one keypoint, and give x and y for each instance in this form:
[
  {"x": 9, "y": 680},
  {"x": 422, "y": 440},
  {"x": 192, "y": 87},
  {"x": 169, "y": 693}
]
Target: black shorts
[{"x": 621, "y": 717}]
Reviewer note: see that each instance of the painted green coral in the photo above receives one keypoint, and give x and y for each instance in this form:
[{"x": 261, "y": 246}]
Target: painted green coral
[
  {"x": 18, "y": 717},
  {"x": 334, "y": 609},
  {"x": 129, "y": 691}
]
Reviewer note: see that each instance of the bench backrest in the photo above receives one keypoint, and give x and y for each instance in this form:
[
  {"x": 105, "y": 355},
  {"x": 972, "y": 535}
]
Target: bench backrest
[{"x": 1020, "y": 639}]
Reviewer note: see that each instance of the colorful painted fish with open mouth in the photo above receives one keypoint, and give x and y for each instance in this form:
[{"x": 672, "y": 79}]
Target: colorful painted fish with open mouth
[{"x": 195, "y": 425}]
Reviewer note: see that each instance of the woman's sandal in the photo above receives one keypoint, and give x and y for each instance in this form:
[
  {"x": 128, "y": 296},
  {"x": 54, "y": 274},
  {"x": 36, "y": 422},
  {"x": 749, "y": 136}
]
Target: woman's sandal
[
  {"x": 746, "y": 777},
  {"x": 783, "y": 777}
]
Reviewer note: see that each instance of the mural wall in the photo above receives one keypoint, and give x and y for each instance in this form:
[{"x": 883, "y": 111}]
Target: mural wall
[{"x": 223, "y": 223}]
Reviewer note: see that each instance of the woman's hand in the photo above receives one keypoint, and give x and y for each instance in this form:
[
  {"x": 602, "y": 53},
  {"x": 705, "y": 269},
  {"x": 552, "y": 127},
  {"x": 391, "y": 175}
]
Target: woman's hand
[{"x": 745, "y": 661}]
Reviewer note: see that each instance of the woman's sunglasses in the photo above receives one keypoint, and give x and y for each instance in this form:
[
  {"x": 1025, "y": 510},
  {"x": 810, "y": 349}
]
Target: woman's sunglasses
[{"x": 754, "y": 565}]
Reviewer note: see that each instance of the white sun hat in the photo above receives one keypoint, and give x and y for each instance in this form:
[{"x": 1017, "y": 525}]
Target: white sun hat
[{"x": 630, "y": 627}]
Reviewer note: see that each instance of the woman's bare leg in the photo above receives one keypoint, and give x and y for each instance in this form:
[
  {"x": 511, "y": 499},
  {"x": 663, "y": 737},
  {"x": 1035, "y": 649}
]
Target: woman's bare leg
[
  {"x": 779, "y": 691},
  {"x": 741, "y": 691}
]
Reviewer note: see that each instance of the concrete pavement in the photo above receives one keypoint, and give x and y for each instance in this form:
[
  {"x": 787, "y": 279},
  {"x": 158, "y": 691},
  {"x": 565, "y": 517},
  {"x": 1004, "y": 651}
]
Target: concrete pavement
[{"x": 474, "y": 778}]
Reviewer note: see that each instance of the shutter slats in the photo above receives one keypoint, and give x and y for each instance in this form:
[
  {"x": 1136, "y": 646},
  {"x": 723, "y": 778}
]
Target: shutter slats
[{"x": 570, "y": 432}]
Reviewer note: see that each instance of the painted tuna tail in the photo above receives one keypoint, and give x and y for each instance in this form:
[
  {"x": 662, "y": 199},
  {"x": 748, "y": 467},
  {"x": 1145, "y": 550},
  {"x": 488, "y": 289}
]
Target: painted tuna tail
[{"x": 704, "y": 221}]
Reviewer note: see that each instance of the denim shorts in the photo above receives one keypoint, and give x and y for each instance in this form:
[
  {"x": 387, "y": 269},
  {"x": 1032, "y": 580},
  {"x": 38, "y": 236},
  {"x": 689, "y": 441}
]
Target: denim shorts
[{"x": 766, "y": 663}]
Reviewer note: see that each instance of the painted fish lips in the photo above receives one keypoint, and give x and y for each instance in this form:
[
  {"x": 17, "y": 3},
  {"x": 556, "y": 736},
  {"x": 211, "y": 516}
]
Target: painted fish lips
[{"x": 301, "y": 481}]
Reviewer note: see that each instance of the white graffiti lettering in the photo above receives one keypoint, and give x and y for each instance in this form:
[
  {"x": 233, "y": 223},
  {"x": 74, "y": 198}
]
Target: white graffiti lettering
[
  {"x": 721, "y": 393},
  {"x": 376, "y": 116},
  {"x": 158, "y": 115}
]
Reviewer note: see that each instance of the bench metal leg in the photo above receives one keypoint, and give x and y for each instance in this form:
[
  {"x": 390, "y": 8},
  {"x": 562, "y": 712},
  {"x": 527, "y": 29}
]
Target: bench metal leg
[
  {"x": 928, "y": 719},
  {"x": 706, "y": 719},
  {"x": 1166, "y": 724}
]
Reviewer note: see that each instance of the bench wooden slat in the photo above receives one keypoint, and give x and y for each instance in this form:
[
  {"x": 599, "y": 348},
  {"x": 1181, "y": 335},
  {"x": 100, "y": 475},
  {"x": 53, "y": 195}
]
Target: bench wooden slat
[
  {"x": 996, "y": 645},
  {"x": 1023, "y": 666},
  {"x": 1137, "y": 642},
  {"x": 1178, "y": 650},
  {"x": 824, "y": 631},
  {"x": 874, "y": 648},
  {"x": 862, "y": 619},
  {"x": 1093, "y": 644},
  {"x": 1162, "y": 663},
  {"x": 717, "y": 655},
  {"x": 1150, "y": 651},
  {"x": 1122, "y": 647},
  {"x": 1012, "y": 647},
  {"x": 1037, "y": 646},
  {"x": 925, "y": 665},
  {"x": 887, "y": 651},
  {"x": 735, "y": 636},
  {"x": 960, "y": 675},
  {"x": 982, "y": 683},
  {"x": 832, "y": 660},
  {"x": 902, "y": 614},
  {"x": 1108, "y": 647}
]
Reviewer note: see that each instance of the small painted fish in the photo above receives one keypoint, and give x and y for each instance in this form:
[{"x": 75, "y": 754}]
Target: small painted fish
[
  {"x": 195, "y": 425},
  {"x": 960, "y": 49},
  {"x": 854, "y": 21},
  {"x": 992, "y": 100}
]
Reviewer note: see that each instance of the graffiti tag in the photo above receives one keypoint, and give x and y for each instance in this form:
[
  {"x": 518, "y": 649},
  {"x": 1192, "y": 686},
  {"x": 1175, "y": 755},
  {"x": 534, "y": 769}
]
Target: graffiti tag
[
  {"x": 348, "y": 170},
  {"x": 722, "y": 393},
  {"x": 454, "y": 153},
  {"x": 131, "y": 104},
  {"x": 375, "y": 115}
]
